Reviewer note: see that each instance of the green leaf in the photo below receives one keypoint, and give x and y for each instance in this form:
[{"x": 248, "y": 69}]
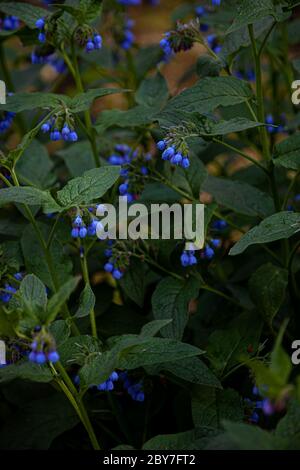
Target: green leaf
[
  {"x": 38, "y": 423},
  {"x": 191, "y": 369},
  {"x": 97, "y": 368},
  {"x": 35, "y": 259},
  {"x": 208, "y": 66},
  {"x": 59, "y": 299},
  {"x": 276, "y": 227},
  {"x": 30, "y": 196},
  {"x": 170, "y": 301},
  {"x": 25, "y": 371},
  {"x": 138, "y": 116},
  {"x": 204, "y": 97},
  {"x": 32, "y": 294},
  {"x": 152, "y": 328},
  {"x": 248, "y": 437},
  {"x": 288, "y": 427},
  {"x": 34, "y": 167},
  {"x": 191, "y": 181},
  {"x": 250, "y": 11},
  {"x": 133, "y": 282},
  {"x": 210, "y": 407},
  {"x": 148, "y": 351},
  {"x": 83, "y": 101},
  {"x": 87, "y": 302},
  {"x": 78, "y": 349},
  {"x": 92, "y": 185},
  {"x": 239, "y": 196},
  {"x": 267, "y": 288},
  {"x": 153, "y": 92},
  {"x": 26, "y": 12},
  {"x": 228, "y": 347},
  {"x": 240, "y": 38},
  {"x": 78, "y": 157},
  {"x": 287, "y": 153},
  {"x": 179, "y": 441}
]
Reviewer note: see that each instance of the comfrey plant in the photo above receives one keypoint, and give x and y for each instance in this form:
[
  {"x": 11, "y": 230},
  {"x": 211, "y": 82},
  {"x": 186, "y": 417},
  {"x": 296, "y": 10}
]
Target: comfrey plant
[{"x": 148, "y": 342}]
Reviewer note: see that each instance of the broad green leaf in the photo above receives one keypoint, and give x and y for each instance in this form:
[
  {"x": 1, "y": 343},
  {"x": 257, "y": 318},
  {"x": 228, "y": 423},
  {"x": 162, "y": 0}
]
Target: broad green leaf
[
  {"x": 30, "y": 196},
  {"x": 34, "y": 167},
  {"x": 138, "y": 351},
  {"x": 276, "y": 227},
  {"x": 250, "y": 11},
  {"x": 210, "y": 407},
  {"x": 207, "y": 95},
  {"x": 138, "y": 116},
  {"x": 25, "y": 371},
  {"x": 133, "y": 282},
  {"x": 26, "y": 12},
  {"x": 208, "y": 66},
  {"x": 240, "y": 38},
  {"x": 288, "y": 427},
  {"x": 27, "y": 101},
  {"x": 248, "y": 437},
  {"x": 60, "y": 330},
  {"x": 192, "y": 180},
  {"x": 32, "y": 294},
  {"x": 268, "y": 288},
  {"x": 239, "y": 196},
  {"x": 35, "y": 259},
  {"x": 97, "y": 368},
  {"x": 92, "y": 185},
  {"x": 191, "y": 369},
  {"x": 153, "y": 92},
  {"x": 38, "y": 423},
  {"x": 86, "y": 302},
  {"x": 170, "y": 301},
  {"x": 228, "y": 347},
  {"x": 287, "y": 153},
  {"x": 59, "y": 298},
  {"x": 179, "y": 441},
  {"x": 152, "y": 328},
  {"x": 78, "y": 158}
]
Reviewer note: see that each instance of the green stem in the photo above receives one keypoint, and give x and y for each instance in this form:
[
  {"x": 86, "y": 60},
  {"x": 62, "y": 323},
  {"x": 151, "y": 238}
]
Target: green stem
[
  {"x": 85, "y": 272},
  {"x": 240, "y": 152},
  {"x": 87, "y": 116},
  {"x": 259, "y": 95},
  {"x": 72, "y": 394}
]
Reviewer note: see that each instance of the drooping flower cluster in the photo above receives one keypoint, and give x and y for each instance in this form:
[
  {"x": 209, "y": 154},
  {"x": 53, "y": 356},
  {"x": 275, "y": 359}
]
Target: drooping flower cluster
[
  {"x": 188, "y": 258},
  {"x": 60, "y": 129},
  {"x": 81, "y": 230},
  {"x": 209, "y": 250},
  {"x": 43, "y": 347},
  {"x": 6, "y": 121},
  {"x": 113, "y": 264},
  {"x": 108, "y": 385},
  {"x": 127, "y": 35},
  {"x": 93, "y": 43},
  {"x": 40, "y": 24},
  {"x": 8, "y": 290},
  {"x": 265, "y": 405},
  {"x": 180, "y": 39},
  {"x": 134, "y": 389},
  {"x": 171, "y": 154},
  {"x": 10, "y": 23}
]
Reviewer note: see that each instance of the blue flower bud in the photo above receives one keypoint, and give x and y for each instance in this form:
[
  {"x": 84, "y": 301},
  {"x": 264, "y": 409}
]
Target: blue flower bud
[
  {"x": 168, "y": 153},
  {"x": 185, "y": 163},
  {"x": 82, "y": 232},
  {"x": 40, "y": 23},
  {"x": 40, "y": 358},
  {"x": 117, "y": 274},
  {"x": 53, "y": 356},
  {"x": 108, "y": 267},
  {"x": 42, "y": 37}
]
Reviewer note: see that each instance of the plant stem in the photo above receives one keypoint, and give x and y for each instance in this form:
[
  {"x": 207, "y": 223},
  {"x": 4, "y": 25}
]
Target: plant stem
[
  {"x": 85, "y": 272},
  {"x": 72, "y": 394},
  {"x": 259, "y": 95},
  {"x": 87, "y": 116},
  {"x": 240, "y": 152}
]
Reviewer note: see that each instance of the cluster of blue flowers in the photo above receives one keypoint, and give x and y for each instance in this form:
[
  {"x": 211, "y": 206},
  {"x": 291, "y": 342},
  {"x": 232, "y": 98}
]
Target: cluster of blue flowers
[
  {"x": 10, "y": 23},
  {"x": 135, "y": 390},
  {"x": 166, "y": 47},
  {"x": 188, "y": 258},
  {"x": 201, "y": 13},
  {"x": 212, "y": 41},
  {"x": 172, "y": 155},
  {"x": 80, "y": 230},
  {"x": 265, "y": 405},
  {"x": 8, "y": 290},
  {"x": 6, "y": 121},
  {"x": 273, "y": 128},
  {"x": 219, "y": 224},
  {"x": 108, "y": 385},
  {"x": 93, "y": 43},
  {"x": 111, "y": 266},
  {"x": 40, "y": 24},
  {"x": 66, "y": 133},
  {"x": 123, "y": 156},
  {"x": 38, "y": 356},
  {"x": 128, "y": 36}
]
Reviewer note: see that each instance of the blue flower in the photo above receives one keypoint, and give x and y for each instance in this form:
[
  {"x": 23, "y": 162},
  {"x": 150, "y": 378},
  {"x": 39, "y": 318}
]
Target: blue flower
[
  {"x": 108, "y": 385},
  {"x": 40, "y": 23},
  {"x": 188, "y": 258},
  {"x": 10, "y": 23}
]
